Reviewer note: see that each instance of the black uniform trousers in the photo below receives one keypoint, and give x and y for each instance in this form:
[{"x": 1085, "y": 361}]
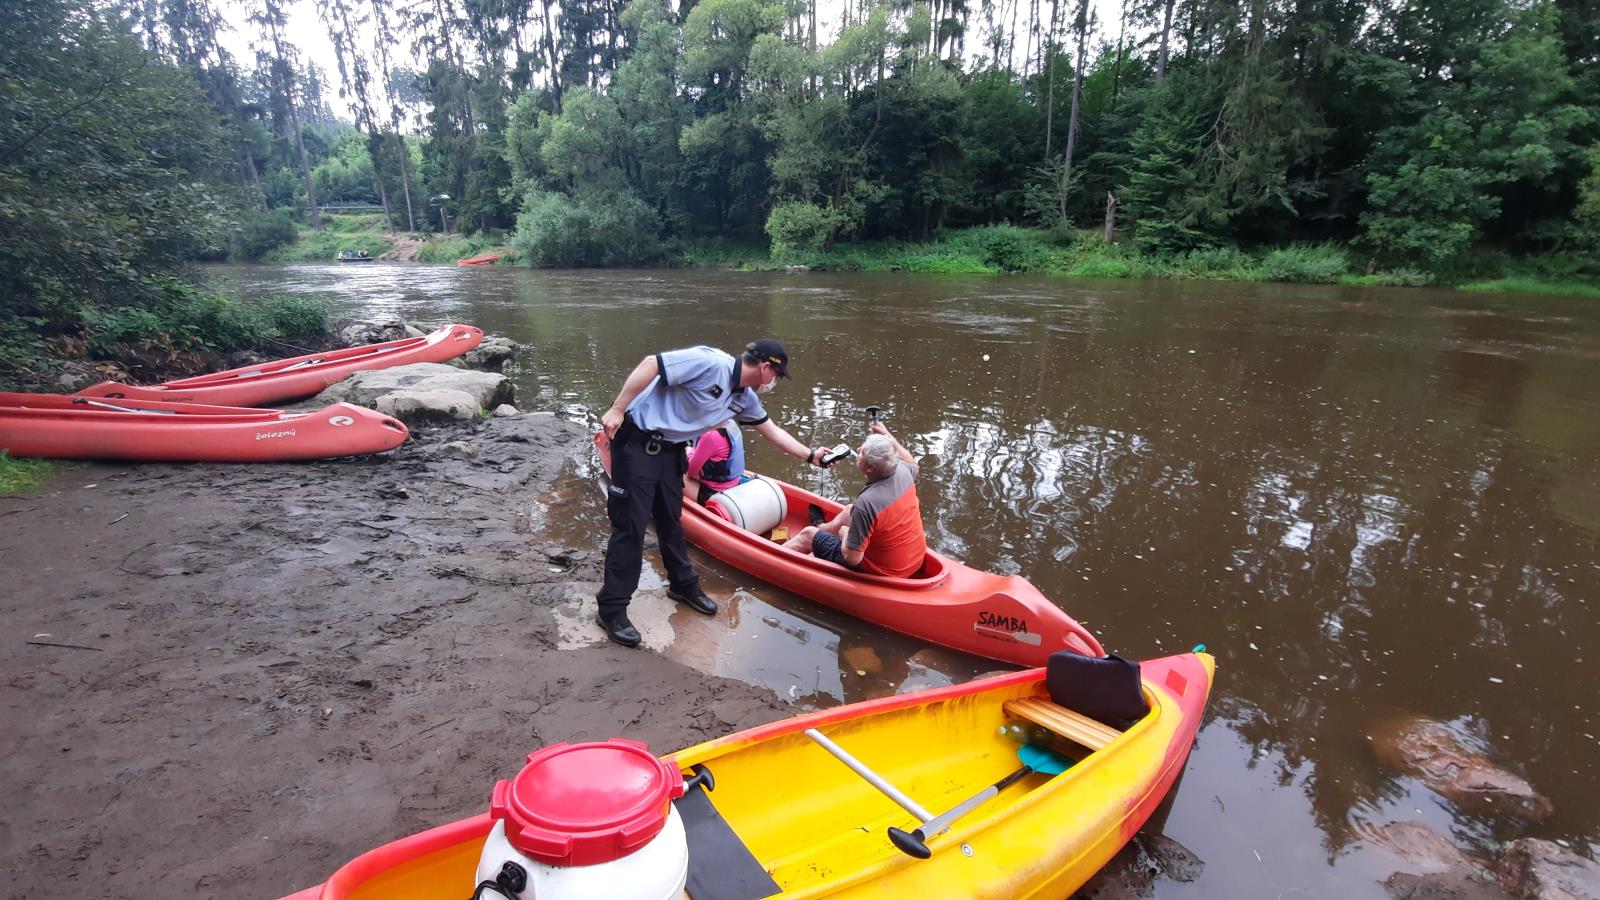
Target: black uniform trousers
[{"x": 644, "y": 487}]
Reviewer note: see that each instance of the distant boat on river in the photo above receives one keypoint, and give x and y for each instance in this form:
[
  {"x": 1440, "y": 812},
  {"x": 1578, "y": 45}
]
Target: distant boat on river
[{"x": 346, "y": 256}]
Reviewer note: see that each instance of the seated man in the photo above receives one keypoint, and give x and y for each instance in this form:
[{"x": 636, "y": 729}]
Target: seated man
[
  {"x": 881, "y": 532},
  {"x": 716, "y": 463}
]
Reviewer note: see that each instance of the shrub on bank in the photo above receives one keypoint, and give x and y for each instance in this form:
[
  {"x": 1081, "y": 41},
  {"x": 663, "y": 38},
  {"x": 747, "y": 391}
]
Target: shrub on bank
[
  {"x": 1306, "y": 263},
  {"x": 799, "y": 229},
  {"x": 1219, "y": 263},
  {"x": 262, "y": 233},
  {"x": 1006, "y": 248},
  {"x": 607, "y": 230},
  {"x": 188, "y": 319}
]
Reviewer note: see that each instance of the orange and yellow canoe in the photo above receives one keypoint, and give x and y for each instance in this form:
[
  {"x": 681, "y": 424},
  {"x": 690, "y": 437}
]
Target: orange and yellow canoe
[{"x": 819, "y": 829}]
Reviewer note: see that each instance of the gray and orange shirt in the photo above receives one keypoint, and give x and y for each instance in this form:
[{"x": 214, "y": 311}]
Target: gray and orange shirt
[{"x": 886, "y": 524}]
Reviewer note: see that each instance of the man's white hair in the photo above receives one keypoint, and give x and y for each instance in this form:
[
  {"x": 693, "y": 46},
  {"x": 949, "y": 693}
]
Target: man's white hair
[{"x": 878, "y": 456}]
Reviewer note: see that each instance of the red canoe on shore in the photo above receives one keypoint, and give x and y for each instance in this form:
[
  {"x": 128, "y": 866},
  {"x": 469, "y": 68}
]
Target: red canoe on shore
[
  {"x": 60, "y": 427},
  {"x": 300, "y": 376},
  {"x": 1002, "y": 617},
  {"x": 487, "y": 259}
]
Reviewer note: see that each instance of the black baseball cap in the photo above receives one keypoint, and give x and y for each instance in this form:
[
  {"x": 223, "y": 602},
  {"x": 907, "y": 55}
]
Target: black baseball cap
[{"x": 768, "y": 350}]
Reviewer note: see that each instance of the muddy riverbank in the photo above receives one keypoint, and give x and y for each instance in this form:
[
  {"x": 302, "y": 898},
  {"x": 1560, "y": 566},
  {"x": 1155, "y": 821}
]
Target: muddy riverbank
[{"x": 227, "y": 680}]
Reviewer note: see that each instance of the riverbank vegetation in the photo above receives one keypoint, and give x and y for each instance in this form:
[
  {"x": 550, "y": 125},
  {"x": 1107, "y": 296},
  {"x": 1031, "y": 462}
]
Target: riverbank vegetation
[{"x": 1347, "y": 139}]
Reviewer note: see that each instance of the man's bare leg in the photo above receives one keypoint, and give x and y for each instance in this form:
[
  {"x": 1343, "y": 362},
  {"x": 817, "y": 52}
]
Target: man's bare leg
[{"x": 801, "y": 542}]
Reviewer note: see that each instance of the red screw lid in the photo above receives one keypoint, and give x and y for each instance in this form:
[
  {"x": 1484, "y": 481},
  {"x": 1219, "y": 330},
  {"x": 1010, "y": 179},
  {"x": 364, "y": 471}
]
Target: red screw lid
[{"x": 586, "y": 804}]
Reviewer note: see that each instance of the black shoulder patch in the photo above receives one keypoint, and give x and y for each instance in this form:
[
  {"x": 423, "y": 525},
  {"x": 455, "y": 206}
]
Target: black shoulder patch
[{"x": 716, "y": 390}]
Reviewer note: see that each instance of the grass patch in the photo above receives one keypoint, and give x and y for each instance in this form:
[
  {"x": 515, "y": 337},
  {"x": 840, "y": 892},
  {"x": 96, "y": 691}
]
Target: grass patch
[
  {"x": 339, "y": 233},
  {"x": 18, "y": 475},
  {"x": 450, "y": 249},
  {"x": 356, "y": 224},
  {"x": 1531, "y": 285},
  {"x": 1389, "y": 278},
  {"x": 996, "y": 249},
  {"x": 1102, "y": 267}
]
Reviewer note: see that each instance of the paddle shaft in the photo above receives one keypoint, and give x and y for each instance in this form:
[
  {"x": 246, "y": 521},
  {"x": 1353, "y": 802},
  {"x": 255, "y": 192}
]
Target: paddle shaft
[
  {"x": 1035, "y": 759},
  {"x": 154, "y": 412},
  {"x": 871, "y": 777},
  {"x": 940, "y": 823}
]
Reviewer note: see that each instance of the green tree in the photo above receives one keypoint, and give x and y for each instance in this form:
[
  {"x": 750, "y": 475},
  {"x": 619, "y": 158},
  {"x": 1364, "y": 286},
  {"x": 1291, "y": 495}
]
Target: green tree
[
  {"x": 1160, "y": 178},
  {"x": 114, "y": 168},
  {"x": 1496, "y": 119}
]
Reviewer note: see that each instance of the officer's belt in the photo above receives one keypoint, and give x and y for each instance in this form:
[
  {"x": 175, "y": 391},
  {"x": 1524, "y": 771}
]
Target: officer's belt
[{"x": 653, "y": 441}]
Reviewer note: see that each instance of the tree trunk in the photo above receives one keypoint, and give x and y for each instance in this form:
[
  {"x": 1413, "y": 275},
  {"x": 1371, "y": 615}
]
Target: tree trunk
[
  {"x": 1077, "y": 92},
  {"x": 1166, "y": 29},
  {"x": 405, "y": 181},
  {"x": 305, "y": 167},
  {"x": 1111, "y": 217},
  {"x": 1011, "y": 43},
  {"x": 550, "y": 49},
  {"x": 247, "y": 161},
  {"x": 375, "y": 145},
  {"x": 811, "y": 40},
  {"x": 1116, "y": 65},
  {"x": 1050, "y": 63}
]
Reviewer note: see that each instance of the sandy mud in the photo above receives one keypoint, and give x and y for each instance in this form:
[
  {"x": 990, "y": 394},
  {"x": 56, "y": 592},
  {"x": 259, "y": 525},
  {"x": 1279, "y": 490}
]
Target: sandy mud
[{"x": 227, "y": 680}]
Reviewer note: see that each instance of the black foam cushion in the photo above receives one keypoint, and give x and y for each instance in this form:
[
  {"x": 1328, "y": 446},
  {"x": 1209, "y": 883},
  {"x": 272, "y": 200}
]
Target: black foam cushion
[{"x": 1106, "y": 689}]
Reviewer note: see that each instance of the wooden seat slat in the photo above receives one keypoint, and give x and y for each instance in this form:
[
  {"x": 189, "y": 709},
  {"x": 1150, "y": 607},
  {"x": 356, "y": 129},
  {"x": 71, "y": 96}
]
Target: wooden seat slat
[{"x": 1062, "y": 721}]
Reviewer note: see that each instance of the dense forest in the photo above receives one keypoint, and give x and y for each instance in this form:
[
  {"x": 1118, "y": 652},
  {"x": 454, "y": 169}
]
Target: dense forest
[{"x": 1429, "y": 137}]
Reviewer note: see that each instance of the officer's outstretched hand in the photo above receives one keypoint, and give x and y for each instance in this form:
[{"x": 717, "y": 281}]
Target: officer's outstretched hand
[
  {"x": 611, "y": 421},
  {"x": 819, "y": 456}
]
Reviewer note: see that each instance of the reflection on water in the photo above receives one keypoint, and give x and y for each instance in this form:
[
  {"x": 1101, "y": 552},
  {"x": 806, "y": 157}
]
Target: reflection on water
[{"x": 1367, "y": 502}]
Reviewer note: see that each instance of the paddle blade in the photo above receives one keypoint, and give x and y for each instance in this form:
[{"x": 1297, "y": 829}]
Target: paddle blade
[{"x": 1043, "y": 760}]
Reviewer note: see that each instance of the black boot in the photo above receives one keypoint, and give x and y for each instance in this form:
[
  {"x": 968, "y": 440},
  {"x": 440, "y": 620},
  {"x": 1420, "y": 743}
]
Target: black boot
[
  {"x": 815, "y": 515},
  {"x": 695, "y": 599},
  {"x": 619, "y": 629}
]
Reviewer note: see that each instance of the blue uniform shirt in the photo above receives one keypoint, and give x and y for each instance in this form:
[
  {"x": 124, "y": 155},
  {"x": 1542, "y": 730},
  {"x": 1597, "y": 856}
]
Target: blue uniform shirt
[{"x": 698, "y": 388}]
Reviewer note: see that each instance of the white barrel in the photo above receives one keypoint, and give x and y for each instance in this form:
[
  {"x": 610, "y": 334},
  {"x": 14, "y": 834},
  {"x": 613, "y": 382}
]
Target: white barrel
[
  {"x": 657, "y": 871},
  {"x": 758, "y": 505}
]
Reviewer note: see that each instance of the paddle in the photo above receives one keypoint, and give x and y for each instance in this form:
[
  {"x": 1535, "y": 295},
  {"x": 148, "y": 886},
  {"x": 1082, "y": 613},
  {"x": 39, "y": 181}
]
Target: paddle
[
  {"x": 85, "y": 401},
  {"x": 1034, "y": 759}
]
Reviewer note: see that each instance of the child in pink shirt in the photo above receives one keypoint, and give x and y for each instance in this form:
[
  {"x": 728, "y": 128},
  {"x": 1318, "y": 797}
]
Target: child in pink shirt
[{"x": 717, "y": 461}]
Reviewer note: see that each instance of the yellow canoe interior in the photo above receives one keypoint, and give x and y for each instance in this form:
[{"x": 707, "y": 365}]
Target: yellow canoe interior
[{"x": 819, "y": 828}]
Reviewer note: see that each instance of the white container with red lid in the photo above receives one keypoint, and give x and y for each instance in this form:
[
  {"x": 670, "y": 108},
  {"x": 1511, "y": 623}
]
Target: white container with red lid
[{"x": 592, "y": 820}]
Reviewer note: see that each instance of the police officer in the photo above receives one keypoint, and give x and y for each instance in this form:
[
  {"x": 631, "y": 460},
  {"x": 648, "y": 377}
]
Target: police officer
[{"x": 668, "y": 400}]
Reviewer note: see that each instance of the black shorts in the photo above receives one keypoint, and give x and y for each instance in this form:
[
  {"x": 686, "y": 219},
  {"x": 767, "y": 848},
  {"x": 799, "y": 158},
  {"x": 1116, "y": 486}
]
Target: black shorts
[{"x": 826, "y": 545}]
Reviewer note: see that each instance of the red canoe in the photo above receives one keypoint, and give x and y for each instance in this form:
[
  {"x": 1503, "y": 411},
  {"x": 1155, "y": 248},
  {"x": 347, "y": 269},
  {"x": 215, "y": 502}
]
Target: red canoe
[
  {"x": 1001, "y": 617},
  {"x": 300, "y": 376},
  {"x": 60, "y": 427},
  {"x": 486, "y": 259}
]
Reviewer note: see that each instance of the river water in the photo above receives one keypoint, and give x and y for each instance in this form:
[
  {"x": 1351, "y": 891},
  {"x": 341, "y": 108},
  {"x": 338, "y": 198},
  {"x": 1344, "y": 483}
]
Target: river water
[{"x": 1366, "y": 502}]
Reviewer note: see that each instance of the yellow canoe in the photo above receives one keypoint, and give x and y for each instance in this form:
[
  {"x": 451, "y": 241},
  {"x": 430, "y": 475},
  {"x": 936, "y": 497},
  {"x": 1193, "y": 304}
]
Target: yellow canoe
[{"x": 819, "y": 829}]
